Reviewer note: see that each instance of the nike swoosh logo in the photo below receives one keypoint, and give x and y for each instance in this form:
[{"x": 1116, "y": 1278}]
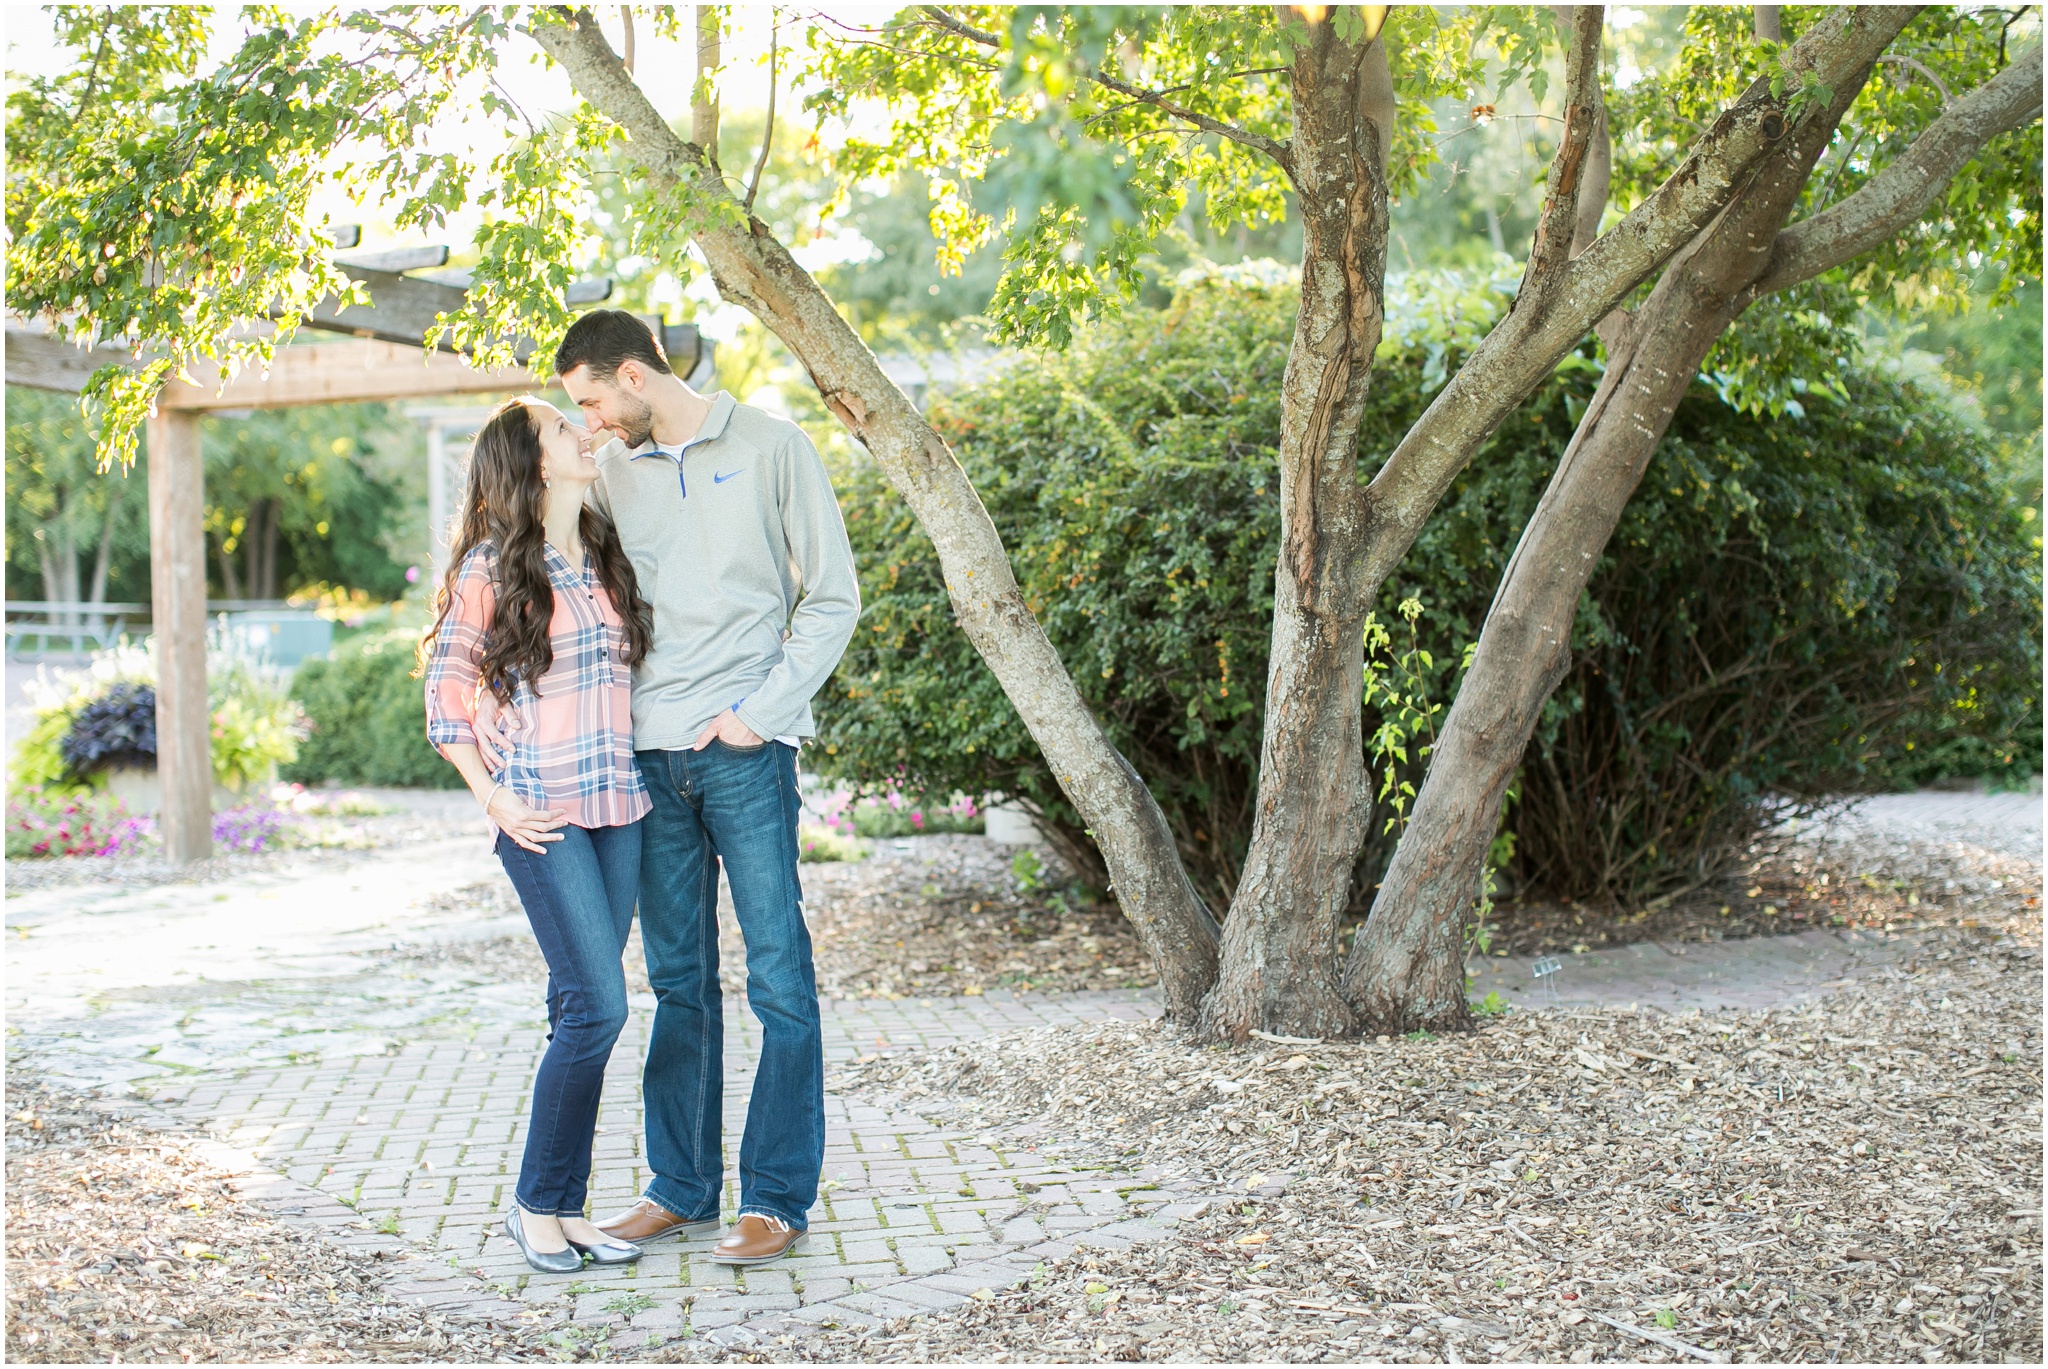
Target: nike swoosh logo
[{"x": 721, "y": 479}]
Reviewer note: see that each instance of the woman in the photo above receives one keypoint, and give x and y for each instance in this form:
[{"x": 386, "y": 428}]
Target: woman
[{"x": 540, "y": 607}]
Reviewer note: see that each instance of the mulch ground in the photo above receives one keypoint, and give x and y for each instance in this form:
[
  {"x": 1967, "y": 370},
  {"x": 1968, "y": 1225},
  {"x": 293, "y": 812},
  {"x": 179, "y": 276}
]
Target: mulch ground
[
  {"x": 1793, "y": 884},
  {"x": 1857, "y": 1179},
  {"x": 124, "y": 1245}
]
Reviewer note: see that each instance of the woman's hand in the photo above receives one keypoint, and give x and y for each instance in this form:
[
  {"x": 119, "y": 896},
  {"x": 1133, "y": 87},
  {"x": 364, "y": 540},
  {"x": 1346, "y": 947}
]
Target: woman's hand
[
  {"x": 527, "y": 826},
  {"x": 493, "y": 739}
]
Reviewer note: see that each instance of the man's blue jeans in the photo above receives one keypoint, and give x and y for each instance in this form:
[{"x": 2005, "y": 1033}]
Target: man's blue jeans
[
  {"x": 736, "y": 806},
  {"x": 579, "y": 899}
]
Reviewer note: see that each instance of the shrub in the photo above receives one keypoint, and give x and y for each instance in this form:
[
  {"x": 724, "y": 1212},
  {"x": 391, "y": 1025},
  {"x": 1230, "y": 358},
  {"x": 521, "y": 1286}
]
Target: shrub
[
  {"x": 367, "y": 717},
  {"x": 1788, "y": 607},
  {"x": 105, "y": 716},
  {"x": 116, "y": 729},
  {"x": 893, "y": 815},
  {"x": 819, "y": 845},
  {"x": 257, "y": 725}
]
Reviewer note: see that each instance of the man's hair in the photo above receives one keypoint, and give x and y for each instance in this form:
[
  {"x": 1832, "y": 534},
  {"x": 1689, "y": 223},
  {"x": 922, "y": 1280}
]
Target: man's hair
[{"x": 603, "y": 338}]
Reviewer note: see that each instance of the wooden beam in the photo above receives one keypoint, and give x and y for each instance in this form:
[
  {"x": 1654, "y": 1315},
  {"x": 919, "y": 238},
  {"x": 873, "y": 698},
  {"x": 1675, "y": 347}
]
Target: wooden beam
[
  {"x": 329, "y": 373},
  {"x": 396, "y": 259},
  {"x": 401, "y": 309},
  {"x": 342, "y": 372},
  {"x": 177, "y": 576},
  {"x": 43, "y": 362}
]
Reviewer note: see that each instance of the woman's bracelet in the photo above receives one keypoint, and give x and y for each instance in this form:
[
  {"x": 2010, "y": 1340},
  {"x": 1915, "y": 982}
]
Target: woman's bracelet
[{"x": 493, "y": 794}]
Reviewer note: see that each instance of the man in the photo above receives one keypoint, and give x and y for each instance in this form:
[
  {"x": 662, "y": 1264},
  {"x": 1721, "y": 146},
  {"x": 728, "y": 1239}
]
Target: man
[{"x": 733, "y": 529}]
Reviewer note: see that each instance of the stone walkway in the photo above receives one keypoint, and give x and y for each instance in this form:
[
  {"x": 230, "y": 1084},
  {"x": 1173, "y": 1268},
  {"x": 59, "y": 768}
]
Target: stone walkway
[{"x": 388, "y": 1103}]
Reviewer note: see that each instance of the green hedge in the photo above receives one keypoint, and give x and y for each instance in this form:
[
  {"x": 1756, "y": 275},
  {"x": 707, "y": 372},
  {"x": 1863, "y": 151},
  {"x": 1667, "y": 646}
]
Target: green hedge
[
  {"x": 1789, "y": 606},
  {"x": 368, "y": 717}
]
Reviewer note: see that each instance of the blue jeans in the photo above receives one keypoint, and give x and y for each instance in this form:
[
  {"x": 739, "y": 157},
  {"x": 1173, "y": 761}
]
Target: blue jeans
[
  {"x": 739, "y": 807},
  {"x": 579, "y": 899}
]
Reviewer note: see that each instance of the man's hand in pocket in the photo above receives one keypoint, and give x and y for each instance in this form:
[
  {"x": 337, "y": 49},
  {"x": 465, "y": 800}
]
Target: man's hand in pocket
[{"x": 728, "y": 728}]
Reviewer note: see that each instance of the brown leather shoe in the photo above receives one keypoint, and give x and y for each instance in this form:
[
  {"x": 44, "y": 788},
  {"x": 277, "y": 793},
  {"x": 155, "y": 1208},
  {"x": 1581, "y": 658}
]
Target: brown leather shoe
[
  {"x": 647, "y": 1221},
  {"x": 756, "y": 1240}
]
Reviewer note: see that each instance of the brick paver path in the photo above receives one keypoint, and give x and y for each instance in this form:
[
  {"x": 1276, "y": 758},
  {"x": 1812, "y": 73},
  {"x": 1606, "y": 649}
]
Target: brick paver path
[
  {"x": 259, "y": 1011},
  {"x": 426, "y": 1142}
]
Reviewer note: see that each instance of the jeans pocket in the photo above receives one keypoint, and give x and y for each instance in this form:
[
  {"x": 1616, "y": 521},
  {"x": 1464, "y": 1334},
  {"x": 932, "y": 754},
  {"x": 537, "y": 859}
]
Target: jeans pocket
[{"x": 755, "y": 749}]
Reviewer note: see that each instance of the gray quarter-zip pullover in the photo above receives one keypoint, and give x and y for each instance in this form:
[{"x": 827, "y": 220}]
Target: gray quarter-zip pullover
[{"x": 740, "y": 549}]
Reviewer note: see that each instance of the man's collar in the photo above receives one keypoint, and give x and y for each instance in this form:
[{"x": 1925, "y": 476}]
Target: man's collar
[{"x": 714, "y": 425}]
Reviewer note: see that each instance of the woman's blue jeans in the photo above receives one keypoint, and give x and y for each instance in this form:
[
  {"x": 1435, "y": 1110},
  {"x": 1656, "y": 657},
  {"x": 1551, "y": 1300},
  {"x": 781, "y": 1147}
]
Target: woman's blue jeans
[
  {"x": 579, "y": 898},
  {"x": 735, "y": 807}
]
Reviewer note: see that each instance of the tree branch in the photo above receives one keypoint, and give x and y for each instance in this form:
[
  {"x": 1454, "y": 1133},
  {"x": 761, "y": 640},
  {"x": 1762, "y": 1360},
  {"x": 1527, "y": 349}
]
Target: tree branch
[
  {"x": 609, "y": 89},
  {"x": 1557, "y": 226},
  {"x": 703, "y": 90},
  {"x": 1915, "y": 64},
  {"x": 1272, "y": 147},
  {"x": 1899, "y": 194},
  {"x": 1524, "y": 347},
  {"x": 768, "y": 135}
]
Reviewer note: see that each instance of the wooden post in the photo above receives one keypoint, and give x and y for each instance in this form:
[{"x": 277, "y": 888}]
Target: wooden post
[{"x": 177, "y": 573}]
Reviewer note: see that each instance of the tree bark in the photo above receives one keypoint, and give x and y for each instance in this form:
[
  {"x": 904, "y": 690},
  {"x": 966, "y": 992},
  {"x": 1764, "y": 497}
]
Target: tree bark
[
  {"x": 1280, "y": 941},
  {"x": 1406, "y": 970},
  {"x": 753, "y": 269}
]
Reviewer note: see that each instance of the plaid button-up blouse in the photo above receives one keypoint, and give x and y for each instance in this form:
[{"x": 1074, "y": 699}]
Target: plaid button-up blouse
[{"x": 572, "y": 735}]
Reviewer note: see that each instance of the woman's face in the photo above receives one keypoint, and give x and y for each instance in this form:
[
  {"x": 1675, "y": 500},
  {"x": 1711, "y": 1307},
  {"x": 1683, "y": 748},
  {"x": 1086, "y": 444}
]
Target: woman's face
[{"x": 565, "y": 449}]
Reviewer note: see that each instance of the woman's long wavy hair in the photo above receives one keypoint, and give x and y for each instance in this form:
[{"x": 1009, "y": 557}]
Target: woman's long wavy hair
[{"x": 503, "y": 504}]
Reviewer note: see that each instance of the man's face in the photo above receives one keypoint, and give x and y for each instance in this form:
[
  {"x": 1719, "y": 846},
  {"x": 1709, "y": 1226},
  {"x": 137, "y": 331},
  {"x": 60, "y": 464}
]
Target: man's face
[{"x": 614, "y": 405}]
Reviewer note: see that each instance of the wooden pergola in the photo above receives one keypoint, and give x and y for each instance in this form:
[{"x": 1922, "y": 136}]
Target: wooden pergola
[{"x": 382, "y": 360}]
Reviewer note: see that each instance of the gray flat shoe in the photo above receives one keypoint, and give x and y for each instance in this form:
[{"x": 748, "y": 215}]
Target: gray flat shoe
[
  {"x": 625, "y": 1252},
  {"x": 559, "y": 1262}
]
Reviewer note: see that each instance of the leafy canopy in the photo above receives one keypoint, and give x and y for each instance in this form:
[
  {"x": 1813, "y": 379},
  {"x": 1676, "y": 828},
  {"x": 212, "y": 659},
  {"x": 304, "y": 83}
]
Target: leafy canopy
[
  {"x": 1078, "y": 133},
  {"x": 159, "y": 202}
]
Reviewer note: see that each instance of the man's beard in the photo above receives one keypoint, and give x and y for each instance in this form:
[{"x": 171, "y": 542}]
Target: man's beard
[{"x": 637, "y": 424}]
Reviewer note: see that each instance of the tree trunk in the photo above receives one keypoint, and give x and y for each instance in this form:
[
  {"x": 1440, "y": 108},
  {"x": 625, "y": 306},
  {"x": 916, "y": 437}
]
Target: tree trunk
[
  {"x": 753, "y": 269},
  {"x": 1279, "y": 961},
  {"x": 230, "y": 582},
  {"x": 1407, "y": 968},
  {"x": 260, "y": 539},
  {"x": 252, "y": 548}
]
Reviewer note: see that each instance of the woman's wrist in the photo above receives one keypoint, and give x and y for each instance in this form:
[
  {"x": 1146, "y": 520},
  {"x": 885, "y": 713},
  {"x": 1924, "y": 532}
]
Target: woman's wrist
[{"x": 493, "y": 794}]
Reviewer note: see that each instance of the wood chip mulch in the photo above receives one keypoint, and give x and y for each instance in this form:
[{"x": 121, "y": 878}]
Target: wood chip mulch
[
  {"x": 1855, "y": 1179},
  {"x": 125, "y": 1245},
  {"x": 1822, "y": 876}
]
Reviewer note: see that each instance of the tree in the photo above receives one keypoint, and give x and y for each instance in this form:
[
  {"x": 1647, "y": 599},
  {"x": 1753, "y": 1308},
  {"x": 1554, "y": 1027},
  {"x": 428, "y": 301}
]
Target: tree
[
  {"x": 318, "y": 495},
  {"x": 65, "y": 524},
  {"x": 1407, "y": 965},
  {"x": 179, "y": 202},
  {"x": 1206, "y": 114}
]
